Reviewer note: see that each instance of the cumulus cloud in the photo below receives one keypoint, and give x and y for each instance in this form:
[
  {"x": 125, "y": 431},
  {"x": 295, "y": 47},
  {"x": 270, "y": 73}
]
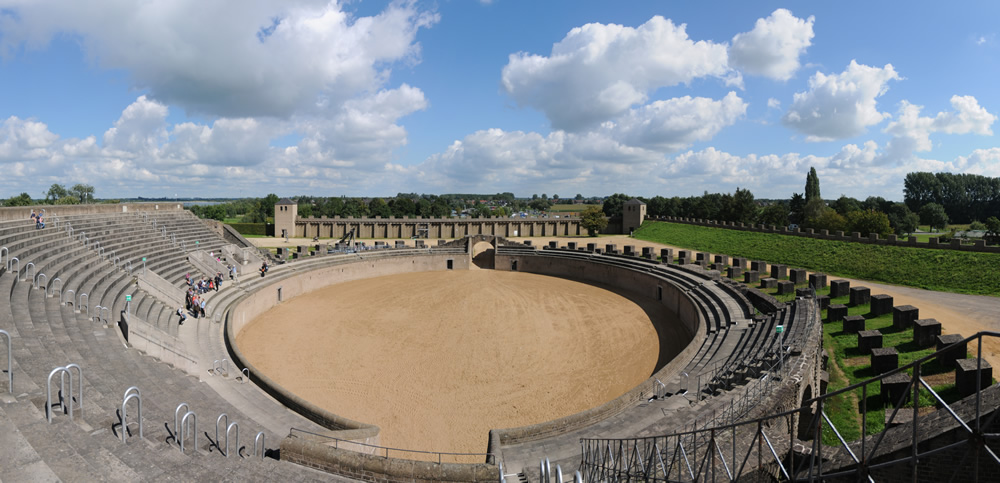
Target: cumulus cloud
[
  {"x": 841, "y": 105},
  {"x": 912, "y": 132},
  {"x": 675, "y": 123},
  {"x": 255, "y": 59},
  {"x": 772, "y": 49},
  {"x": 599, "y": 71}
]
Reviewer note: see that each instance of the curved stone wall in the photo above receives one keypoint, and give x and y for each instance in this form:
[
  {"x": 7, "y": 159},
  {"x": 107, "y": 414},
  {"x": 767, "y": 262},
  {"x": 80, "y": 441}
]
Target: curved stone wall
[{"x": 340, "y": 461}]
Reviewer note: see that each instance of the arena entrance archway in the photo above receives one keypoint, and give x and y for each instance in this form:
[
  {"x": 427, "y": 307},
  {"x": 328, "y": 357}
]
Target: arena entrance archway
[{"x": 483, "y": 254}]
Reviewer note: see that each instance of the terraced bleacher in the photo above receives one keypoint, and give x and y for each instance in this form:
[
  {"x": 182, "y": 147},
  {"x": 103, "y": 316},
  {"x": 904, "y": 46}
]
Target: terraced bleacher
[
  {"x": 47, "y": 333},
  {"x": 738, "y": 348}
]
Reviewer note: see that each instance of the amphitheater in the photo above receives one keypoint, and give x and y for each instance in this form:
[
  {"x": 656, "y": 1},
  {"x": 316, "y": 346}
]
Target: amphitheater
[{"x": 102, "y": 383}]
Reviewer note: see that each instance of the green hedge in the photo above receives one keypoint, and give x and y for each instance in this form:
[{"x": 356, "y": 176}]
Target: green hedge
[
  {"x": 263, "y": 229},
  {"x": 934, "y": 269}
]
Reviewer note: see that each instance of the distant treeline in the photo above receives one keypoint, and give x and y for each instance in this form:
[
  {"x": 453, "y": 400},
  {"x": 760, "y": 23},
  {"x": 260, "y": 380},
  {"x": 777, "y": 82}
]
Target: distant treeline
[{"x": 965, "y": 197}]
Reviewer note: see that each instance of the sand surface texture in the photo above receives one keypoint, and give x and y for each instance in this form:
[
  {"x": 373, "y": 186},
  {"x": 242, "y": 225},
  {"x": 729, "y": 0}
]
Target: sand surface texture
[{"x": 437, "y": 359}]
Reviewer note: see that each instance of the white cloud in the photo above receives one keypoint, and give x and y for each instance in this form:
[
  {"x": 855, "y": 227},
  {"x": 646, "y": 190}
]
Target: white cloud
[
  {"x": 772, "y": 49},
  {"x": 599, "y": 71},
  {"x": 773, "y": 103},
  {"x": 229, "y": 60},
  {"x": 675, "y": 123},
  {"x": 841, "y": 105},
  {"x": 911, "y": 132}
]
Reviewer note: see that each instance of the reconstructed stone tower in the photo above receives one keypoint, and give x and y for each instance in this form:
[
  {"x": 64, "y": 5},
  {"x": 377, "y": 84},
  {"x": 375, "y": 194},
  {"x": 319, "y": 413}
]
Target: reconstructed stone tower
[
  {"x": 633, "y": 213},
  {"x": 285, "y": 212}
]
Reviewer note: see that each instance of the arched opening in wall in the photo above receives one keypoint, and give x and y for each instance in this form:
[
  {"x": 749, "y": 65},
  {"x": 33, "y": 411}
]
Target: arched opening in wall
[
  {"x": 807, "y": 424},
  {"x": 482, "y": 255}
]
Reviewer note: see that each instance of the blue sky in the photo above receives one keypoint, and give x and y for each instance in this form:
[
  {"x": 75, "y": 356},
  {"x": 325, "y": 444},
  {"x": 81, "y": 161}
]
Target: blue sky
[{"x": 668, "y": 98}]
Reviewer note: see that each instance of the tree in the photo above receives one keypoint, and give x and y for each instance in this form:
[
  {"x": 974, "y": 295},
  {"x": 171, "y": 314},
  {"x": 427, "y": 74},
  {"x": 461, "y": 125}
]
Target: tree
[
  {"x": 775, "y": 214},
  {"x": 578, "y": 197},
  {"x": 867, "y": 222},
  {"x": 23, "y": 199},
  {"x": 829, "y": 220},
  {"x": 933, "y": 214},
  {"x": 845, "y": 205},
  {"x": 56, "y": 191},
  {"x": 67, "y": 200},
  {"x": 403, "y": 207},
  {"x": 876, "y": 203},
  {"x": 796, "y": 205},
  {"x": 993, "y": 226},
  {"x": 742, "y": 208},
  {"x": 593, "y": 220},
  {"x": 305, "y": 210},
  {"x": 977, "y": 226},
  {"x": 615, "y": 204},
  {"x": 812, "y": 185},
  {"x": 902, "y": 220},
  {"x": 85, "y": 192},
  {"x": 540, "y": 204},
  {"x": 920, "y": 189},
  {"x": 813, "y": 210},
  {"x": 378, "y": 207}
]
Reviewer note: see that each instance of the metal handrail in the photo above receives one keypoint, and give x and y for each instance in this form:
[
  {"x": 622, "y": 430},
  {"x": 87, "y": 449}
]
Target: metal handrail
[
  {"x": 218, "y": 420},
  {"x": 79, "y": 302},
  {"x": 63, "y": 371},
  {"x": 183, "y": 430},
  {"x": 130, "y": 394},
  {"x": 386, "y": 449},
  {"x": 10, "y": 266},
  {"x": 177, "y": 418},
  {"x": 10, "y": 363},
  {"x": 598, "y": 453},
  {"x": 229, "y": 428},
  {"x": 260, "y": 438},
  {"x": 40, "y": 275},
  {"x": 34, "y": 271},
  {"x": 50, "y": 288}
]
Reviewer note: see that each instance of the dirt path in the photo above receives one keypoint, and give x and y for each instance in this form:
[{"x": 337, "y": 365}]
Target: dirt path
[{"x": 437, "y": 359}]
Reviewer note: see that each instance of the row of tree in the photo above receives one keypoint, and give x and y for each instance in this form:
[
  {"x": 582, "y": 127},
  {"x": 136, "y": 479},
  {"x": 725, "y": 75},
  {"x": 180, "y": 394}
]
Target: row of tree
[
  {"x": 57, "y": 195},
  {"x": 964, "y": 197}
]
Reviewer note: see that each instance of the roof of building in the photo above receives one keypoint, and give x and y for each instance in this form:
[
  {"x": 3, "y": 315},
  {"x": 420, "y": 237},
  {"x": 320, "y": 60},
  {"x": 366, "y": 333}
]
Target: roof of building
[
  {"x": 286, "y": 201},
  {"x": 634, "y": 201}
]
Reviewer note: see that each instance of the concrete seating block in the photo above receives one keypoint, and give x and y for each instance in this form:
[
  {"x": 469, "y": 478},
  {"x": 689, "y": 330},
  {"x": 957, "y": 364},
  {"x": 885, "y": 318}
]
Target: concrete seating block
[
  {"x": 684, "y": 254},
  {"x": 836, "y": 313},
  {"x": 797, "y": 276},
  {"x": 282, "y": 253},
  {"x": 610, "y": 248},
  {"x": 400, "y": 244},
  {"x": 683, "y": 261},
  {"x": 667, "y": 255},
  {"x": 553, "y": 244},
  {"x": 894, "y": 389},
  {"x": 591, "y": 247},
  {"x": 598, "y": 251},
  {"x": 950, "y": 357},
  {"x": 881, "y": 304},
  {"x": 703, "y": 256},
  {"x": 526, "y": 242},
  {"x": 768, "y": 283},
  {"x": 751, "y": 276},
  {"x": 824, "y": 301},
  {"x": 647, "y": 252},
  {"x": 301, "y": 249},
  {"x": 925, "y": 332},
  {"x": 884, "y": 359},
  {"x": 648, "y": 256},
  {"x": 904, "y": 316},
  {"x": 817, "y": 280},
  {"x": 785, "y": 286},
  {"x": 854, "y": 324},
  {"x": 759, "y": 266},
  {"x": 571, "y": 245},
  {"x": 296, "y": 255},
  {"x": 965, "y": 375},
  {"x": 734, "y": 272},
  {"x": 419, "y": 244},
  {"x": 860, "y": 295},
  {"x": 779, "y": 271},
  {"x": 630, "y": 250},
  {"x": 702, "y": 263},
  {"x": 722, "y": 260},
  {"x": 741, "y": 263},
  {"x": 840, "y": 288},
  {"x": 868, "y": 340},
  {"x": 804, "y": 292}
]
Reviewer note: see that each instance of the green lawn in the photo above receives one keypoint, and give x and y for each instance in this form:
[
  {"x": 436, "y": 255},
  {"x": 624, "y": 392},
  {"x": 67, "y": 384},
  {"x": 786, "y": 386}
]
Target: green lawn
[{"x": 943, "y": 270}]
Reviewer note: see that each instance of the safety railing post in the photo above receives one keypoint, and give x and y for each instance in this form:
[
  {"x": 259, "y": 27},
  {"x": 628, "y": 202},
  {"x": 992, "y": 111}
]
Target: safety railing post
[
  {"x": 51, "y": 288},
  {"x": 177, "y": 419},
  {"x": 41, "y": 276},
  {"x": 184, "y": 430},
  {"x": 10, "y": 266},
  {"x": 10, "y": 366},
  {"x": 229, "y": 428},
  {"x": 30, "y": 265},
  {"x": 63, "y": 371},
  {"x": 130, "y": 394},
  {"x": 260, "y": 439},
  {"x": 218, "y": 443},
  {"x": 79, "y": 302}
]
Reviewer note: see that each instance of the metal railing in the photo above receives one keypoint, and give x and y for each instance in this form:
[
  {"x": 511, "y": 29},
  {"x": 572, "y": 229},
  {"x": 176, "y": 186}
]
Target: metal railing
[
  {"x": 384, "y": 450},
  {"x": 37, "y": 283},
  {"x": 258, "y": 439},
  {"x": 130, "y": 394},
  {"x": 3, "y": 251},
  {"x": 10, "y": 363},
  {"x": 772, "y": 443},
  {"x": 184, "y": 430},
  {"x": 51, "y": 287},
  {"x": 31, "y": 266},
  {"x": 63, "y": 371}
]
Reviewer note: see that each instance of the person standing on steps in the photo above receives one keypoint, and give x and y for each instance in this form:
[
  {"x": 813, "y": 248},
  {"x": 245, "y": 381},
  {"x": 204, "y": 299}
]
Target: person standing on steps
[{"x": 182, "y": 315}]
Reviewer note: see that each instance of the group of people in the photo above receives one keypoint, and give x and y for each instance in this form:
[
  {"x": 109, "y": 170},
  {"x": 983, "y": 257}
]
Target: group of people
[
  {"x": 37, "y": 218},
  {"x": 194, "y": 301}
]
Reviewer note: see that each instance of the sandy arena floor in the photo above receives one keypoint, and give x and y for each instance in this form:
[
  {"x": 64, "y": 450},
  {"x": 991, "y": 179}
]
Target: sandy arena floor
[{"x": 437, "y": 359}]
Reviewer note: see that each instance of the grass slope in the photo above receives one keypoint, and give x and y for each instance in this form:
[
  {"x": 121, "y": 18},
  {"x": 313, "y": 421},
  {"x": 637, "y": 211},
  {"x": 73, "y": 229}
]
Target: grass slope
[{"x": 942, "y": 270}]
